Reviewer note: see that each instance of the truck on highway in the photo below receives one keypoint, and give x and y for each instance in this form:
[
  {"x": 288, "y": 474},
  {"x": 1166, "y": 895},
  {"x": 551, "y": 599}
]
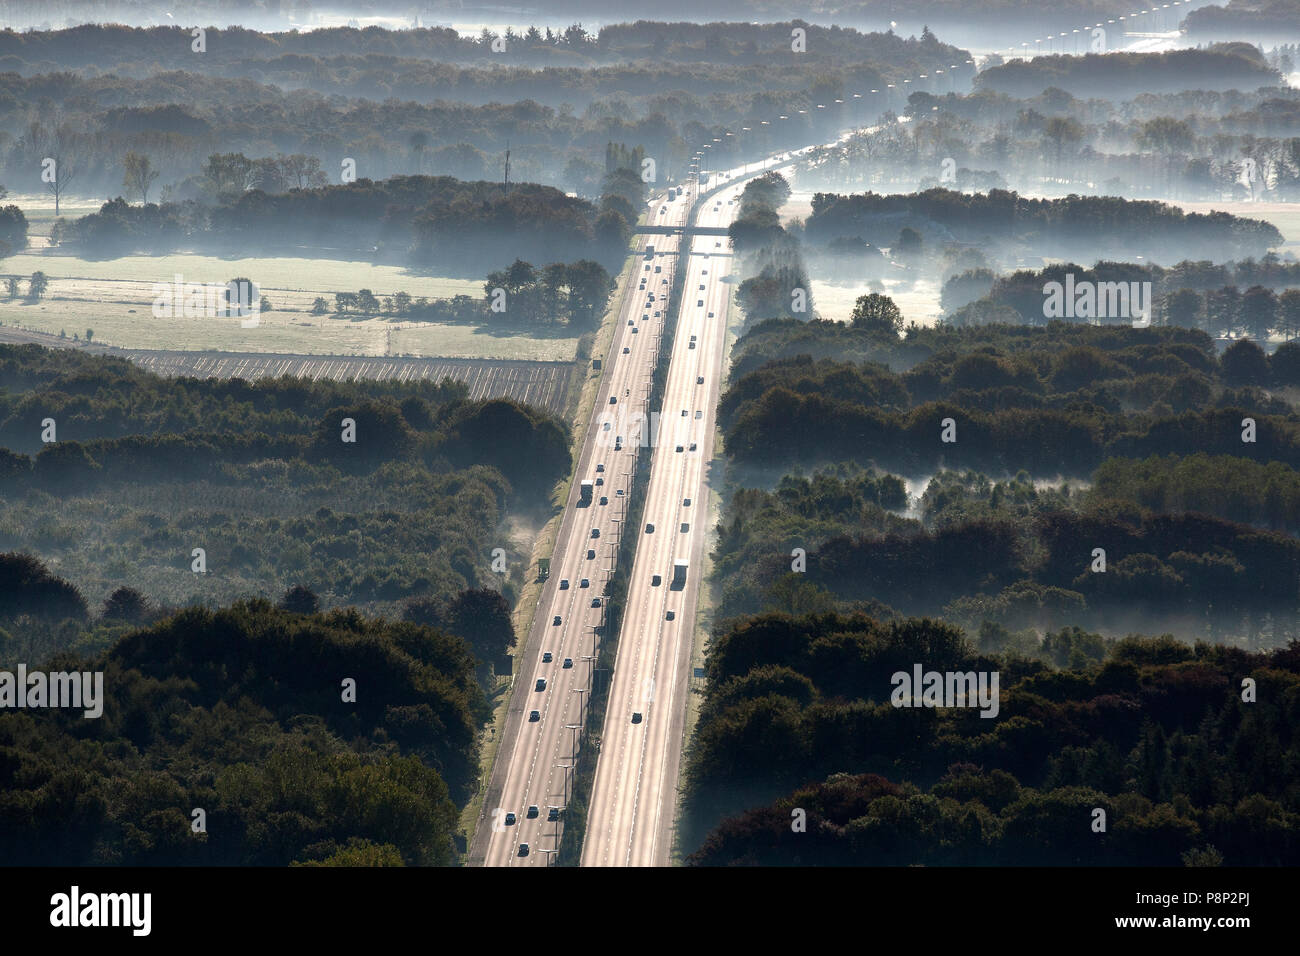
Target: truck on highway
[
  {"x": 587, "y": 489},
  {"x": 679, "y": 572}
]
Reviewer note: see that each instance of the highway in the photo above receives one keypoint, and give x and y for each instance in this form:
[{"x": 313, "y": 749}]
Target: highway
[
  {"x": 533, "y": 765},
  {"x": 634, "y": 796},
  {"x": 633, "y": 799}
]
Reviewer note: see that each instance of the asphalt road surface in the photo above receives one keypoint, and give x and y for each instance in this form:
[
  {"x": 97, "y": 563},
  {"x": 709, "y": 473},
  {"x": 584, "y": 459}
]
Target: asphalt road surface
[
  {"x": 534, "y": 765},
  {"x": 633, "y": 799}
]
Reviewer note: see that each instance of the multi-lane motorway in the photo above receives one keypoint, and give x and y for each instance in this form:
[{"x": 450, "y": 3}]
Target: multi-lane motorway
[
  {"x": 629, "y": 822},
  {"x": 535, "y": 760},
  {"x": 633, "y": 798}
]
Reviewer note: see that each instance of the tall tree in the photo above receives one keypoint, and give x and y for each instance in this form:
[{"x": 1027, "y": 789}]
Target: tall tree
[
  {"x": 877, "y": 313},
  {"x": 139, "y": 175}
]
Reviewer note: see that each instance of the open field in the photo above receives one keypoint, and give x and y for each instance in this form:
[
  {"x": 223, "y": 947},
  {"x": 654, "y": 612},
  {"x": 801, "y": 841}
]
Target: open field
[
  {"x": 115, "y": 298},
  {"x": 134, "y": 276}
]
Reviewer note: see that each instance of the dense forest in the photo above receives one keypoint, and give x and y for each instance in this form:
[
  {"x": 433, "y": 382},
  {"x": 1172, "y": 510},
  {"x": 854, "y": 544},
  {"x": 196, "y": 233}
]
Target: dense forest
[
  {"x": 1004, "y": 223},
  {"x": 1255, "y": 299},
  {"x": 280, "y": 483},
  {"x": 432, "y": 224},
  {"x": 775, "y": 279},
  {"x": 1165, "y": 738},
  {"x": 1123, "y": 75},
  {"x": 228, "y": 738},
  {"x": 422, "y": 101},
  {"x": 1095, "y": 488},
  {"x": 1197, "y": 144}
]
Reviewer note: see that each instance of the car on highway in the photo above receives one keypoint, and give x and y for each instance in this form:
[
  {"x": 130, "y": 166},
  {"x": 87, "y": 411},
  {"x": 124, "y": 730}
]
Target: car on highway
[
  {"x": 523, "y": 849},
  {"x": 630, "y": 322},
  {"x": 608, "y": 425},
  {"x": 546, "y": 657},
  {"x": 692, "y": 446},
  {"x": 656, "y": 580},
  {"x": 604, "y": 500},
  {"x": 590, "y": 553},
  {"x": 701, "y": 286},
  {"x": 599, "y": 482},
  {"x": 584, "y": 583},
  {"x": 699, "y": 413},
  {"x": 552, "y": 813},
  {"x": 564, "y": 584},
  {"x": 510, "y": 817},
  {"x": 595, "y": 602},
  {"x": 690, "y": 344},
  {"x": 532, "y": 811},
  {"x": 568, "y": 662},
  {"x": 626, "y": 350},
  {"x": 717, "y": 245},
  {"x": 699, "y": 380},
  {"x": 710, "y": 315},
  {"x": 679, "y": 447},
  {"x": 657, "y": 314},
  {"x": 600, "y": 468},
  {"x": 649, "y": 528},
  {"x": 635, "y": 330},
  {"x": 541, "y": 684},
  {"x": 595, "y": 532},
  {"x": 619, "y": 493},
  {"x": 636, "y": 716},
  {"x": 704, "y": 272},
  {"x": 700, "y": 303},
  {"x": 686, "y": 502},
  {"x": 670, "y": 615},
  {"x": 556, "y": 621},
  {"x": 686, "y": 527},
  {"x": 613, "y": 399},
  {"x": 685, "y": 413},
  {"x": 643, "y": 318},
  {"x": 534, "y": 716}
]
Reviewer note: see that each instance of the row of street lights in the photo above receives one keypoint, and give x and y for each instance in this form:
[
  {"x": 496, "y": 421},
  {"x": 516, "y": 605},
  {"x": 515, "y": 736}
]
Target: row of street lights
[{"x": 1156, "y": 15}]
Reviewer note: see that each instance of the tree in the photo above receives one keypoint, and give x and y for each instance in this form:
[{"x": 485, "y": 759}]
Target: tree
[
  {"x": 907, "y": 247},
  {"x": 300, "y": 171},
  {"x": 877, "y": 313},
  {"x": 319, "y": 306},
  {"x": 1183, "y": 307},
  {"x": 1258, "y": 312},
  {"x": 300, "y": 600},
  {"x": 90, "y": 334},
  {"x": 229, "y": 174},
  {"x": 139, "y": 174},
  {"x": 37, "y": 285},
  {"x": 589, "y": 289},
  {"x": 1244, "y": 363},
  {"x": 57, "y": 149},
  {"x": 482, "y": 617},
  {"x": 1285, "y": 364},
  {"x": 126, "y": 605},
  {"x": 1288, "y": 313}
]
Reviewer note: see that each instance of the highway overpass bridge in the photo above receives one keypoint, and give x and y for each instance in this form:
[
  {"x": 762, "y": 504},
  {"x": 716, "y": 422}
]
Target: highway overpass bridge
[{"x": 680, "y": 231}]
